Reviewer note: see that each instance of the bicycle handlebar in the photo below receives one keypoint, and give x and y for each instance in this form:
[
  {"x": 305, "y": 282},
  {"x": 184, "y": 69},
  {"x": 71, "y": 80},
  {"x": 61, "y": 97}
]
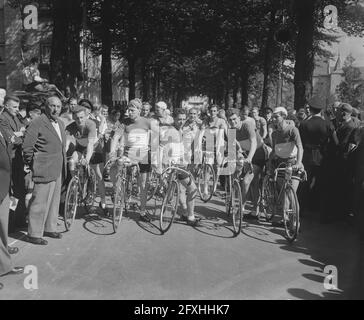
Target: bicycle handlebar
[
  {"x": 283, "y": 168},
  {"x": 172, "y": 167},
  {"x": 123, "y": 161}
]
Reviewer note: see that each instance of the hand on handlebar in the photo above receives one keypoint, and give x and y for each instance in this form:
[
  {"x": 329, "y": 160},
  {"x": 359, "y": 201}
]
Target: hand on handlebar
[
  {"x": 84, "y": 162},
  {"x": 298, "y": 167}
]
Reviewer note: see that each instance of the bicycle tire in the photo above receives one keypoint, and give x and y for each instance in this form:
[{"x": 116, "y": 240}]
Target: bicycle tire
[
  {"x": 236, "y": 207},
  {"x": 71, "y": 203},
  {"x": 152, "y": 185},
  {"x": 91, "y": 189},
  {"x": 228, "y": 186},
  {"x": 291, "y": 215},
  {"x": 119, "y": 203},
  {"x": 169, "y": 207},
  {"x": 202, "y": 172},
  {"x": 267, "y": 198}
]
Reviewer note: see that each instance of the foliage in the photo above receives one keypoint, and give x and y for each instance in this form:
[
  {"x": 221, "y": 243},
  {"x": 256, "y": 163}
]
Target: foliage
[{"x": 351, "y": 89}]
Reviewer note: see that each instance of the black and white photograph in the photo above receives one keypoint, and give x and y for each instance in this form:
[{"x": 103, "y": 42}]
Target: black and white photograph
[{"x": 194, "y": 152}]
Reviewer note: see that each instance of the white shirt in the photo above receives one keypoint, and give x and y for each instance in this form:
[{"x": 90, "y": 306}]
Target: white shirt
[{"x": 58, "y": 130}]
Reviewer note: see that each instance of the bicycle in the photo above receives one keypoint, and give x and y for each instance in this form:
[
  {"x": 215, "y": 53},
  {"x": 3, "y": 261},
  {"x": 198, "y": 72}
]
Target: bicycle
[
  {"x": 234, "y": 205},
  {"x": 125, "y": 188},
  {"x": 81, "y": 189},
  {"x": 171, "y": 197},
  {"x": 286, "y": 199},
  {"x": 205, "y": 174}
]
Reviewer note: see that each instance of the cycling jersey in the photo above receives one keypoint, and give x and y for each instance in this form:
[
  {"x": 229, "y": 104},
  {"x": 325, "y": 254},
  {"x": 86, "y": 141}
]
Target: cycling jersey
[
  {"x": 137, "y": 136},
  {"x": 82, "y": 136},
  {"x": 243, "y": 135},
  {"x": 286, "y": 140}
]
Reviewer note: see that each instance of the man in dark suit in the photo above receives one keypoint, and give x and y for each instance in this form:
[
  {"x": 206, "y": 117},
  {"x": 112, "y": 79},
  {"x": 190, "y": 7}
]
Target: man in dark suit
[
  {"x": 5, "y": 176},
  {"x": 14, "y": 130},
  {"x": 44, "y": 153}
]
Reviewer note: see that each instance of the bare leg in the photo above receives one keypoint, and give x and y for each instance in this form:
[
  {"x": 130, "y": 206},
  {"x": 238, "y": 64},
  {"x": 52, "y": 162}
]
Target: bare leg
[
  {"x": 189, "y": 202},
  {"x": 100, "y": 181},
  {"x": 142, "y": 182}
]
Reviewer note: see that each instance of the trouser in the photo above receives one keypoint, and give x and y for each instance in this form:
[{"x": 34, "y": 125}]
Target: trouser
[
  {"x": 44, "y": 208},
  {"x": 19, "y": 192},
  {"x": 5, "y": 260},
  {"x": 309, "y": 192}
]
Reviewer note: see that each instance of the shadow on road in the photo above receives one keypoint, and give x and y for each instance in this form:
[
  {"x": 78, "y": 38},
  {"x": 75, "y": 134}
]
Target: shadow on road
[{"x": 328, "y": 245}]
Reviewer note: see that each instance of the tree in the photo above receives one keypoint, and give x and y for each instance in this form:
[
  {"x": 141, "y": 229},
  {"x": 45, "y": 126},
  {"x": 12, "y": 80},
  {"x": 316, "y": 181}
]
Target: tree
[
  {"x": 106, "y": 76},
  {"x": 65, "y": 65},
  {"x": 351, "y": 90}
]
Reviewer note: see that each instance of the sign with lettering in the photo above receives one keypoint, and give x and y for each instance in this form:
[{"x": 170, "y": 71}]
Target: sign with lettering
[{"x": 30, "y": 17}]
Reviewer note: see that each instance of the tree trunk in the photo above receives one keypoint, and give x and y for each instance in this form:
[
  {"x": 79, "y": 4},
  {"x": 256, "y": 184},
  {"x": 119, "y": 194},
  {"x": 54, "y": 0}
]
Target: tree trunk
[
  {"x": 154, "y": 86},
  {"x": 244, "y": 81},
  {"x": 131, "y": 65},
  {"x": 65, "y": 54},
  {"x": 59, "y": 41},
  {"x": 235, "y": 90},
  {"x": 106, "y": 69},
  {"x": 145, "y": 80},
  {"x": 268, "y": 57},
  {"x": 304, "y": 52},
  {"x": 227, "y": 92}
]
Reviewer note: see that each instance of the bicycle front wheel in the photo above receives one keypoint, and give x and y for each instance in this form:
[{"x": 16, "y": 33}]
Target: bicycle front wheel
[
  {"x": 236, "y": 207},
  {"x": 169, "y": 206},
  {"x": 152, "y": 185},
  {"x": 291, "y": 215},
  {"x": 71, "y": 203},
  {"x": 91, "y": 188},
  {"x": 266, "y": 204},
  {"x": 119, "y": 203},
  {"x": 228, "y": 187},
  {"x": 206, "y": 182}
]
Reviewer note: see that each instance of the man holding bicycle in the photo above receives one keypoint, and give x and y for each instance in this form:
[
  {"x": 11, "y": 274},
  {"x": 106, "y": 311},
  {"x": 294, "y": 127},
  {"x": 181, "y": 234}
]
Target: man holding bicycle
[
  {"x": 133, "y": 137},
  {"x": 175, "y": 151},
  {"x": 287, "y": 145},
  {"x": 251, "y": 143},
  {"x": 82, "y": 141}
]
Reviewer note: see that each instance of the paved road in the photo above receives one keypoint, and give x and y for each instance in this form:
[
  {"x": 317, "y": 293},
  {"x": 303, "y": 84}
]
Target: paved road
[{"x": 189, "y": 263}]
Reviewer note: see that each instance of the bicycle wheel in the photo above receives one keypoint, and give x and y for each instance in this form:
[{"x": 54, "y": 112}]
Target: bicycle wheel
[
  {"x": 228, "y": 187},
  {"x": 71, "y": 203},
  {"x": 152, "y": 185},
  {"x": 236, "y": 207},
  {"x": 90, "y": 189},
  {"x": 267, "y": 200},
  {"x": 206, "y": 182},
  {"x": 291, "y": 215},
  {"x": 169, "y": 206},
  {"x": 119, "y": 202}
]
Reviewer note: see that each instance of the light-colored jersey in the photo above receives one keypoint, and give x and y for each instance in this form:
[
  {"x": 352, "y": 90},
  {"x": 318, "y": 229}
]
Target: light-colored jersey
[{"x": 286, "y": 141}]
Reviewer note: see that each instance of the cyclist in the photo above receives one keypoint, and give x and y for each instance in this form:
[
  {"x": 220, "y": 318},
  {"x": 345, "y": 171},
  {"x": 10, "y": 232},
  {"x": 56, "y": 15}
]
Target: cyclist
[
  {"x": 287, "y": 144},
  {"x": 287, "y": 149},
  {"x": 133, "y": 136},
  {"x": 213, "y": 129},
  {"x": 251, "y": 143},
  {"x": 160, "y": 123},
  {"x": 82, "y": 140},
  {"x": 174, "y": 151}
]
